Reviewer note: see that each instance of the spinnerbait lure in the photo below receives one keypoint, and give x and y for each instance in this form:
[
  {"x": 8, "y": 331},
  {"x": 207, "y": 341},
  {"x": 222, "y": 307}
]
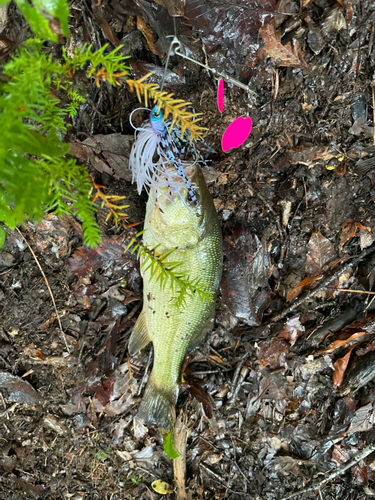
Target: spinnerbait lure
[{"x": 154, "y": 141}]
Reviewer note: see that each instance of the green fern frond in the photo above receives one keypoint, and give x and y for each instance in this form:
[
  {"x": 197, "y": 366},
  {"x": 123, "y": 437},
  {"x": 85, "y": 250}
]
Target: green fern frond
[
  {"x": 70, "y": 192},
  {"x": 35, "y": 172},
  {"x": 166, "y": 273},
  {"x": 109, "y": 201},
  {"x": 76, "y": 99},
  {"x": 113, "y": 63}
]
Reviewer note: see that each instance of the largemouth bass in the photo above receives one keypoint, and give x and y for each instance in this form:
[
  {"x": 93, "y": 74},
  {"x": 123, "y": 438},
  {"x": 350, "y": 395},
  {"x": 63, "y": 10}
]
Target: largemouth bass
[{"x": 195, "y": 234}]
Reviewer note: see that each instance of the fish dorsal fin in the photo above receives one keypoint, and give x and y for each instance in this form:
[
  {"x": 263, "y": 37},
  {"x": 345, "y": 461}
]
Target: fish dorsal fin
[{"x": 140, "y": 336}]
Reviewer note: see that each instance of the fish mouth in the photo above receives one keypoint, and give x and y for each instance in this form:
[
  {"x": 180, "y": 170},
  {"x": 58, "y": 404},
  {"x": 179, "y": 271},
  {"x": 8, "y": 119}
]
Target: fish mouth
[{"x": 180, "y": 189}]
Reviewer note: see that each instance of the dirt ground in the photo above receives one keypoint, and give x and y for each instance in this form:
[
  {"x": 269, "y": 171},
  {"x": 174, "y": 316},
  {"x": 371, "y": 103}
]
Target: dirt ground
[{"x": 281, "y": 394}]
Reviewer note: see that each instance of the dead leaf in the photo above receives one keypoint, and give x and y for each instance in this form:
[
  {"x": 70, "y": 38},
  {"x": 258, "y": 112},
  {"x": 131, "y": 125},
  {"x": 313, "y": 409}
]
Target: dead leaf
[
  {"x": 360, "y": 475},
  {"x": 340, "y": 366},
  {"x": 364, "y": 350},
  {"x": 20, "y": 391},
  {"x": 268, "y": 389},
  {"x": 32, "y": 490},
  {"x": 31, "y": 351},
  {"x": 6, "y": 260},
  {"x": 324, "y": 154},
  {"x": 309, "y": 155},
  {"x": 115, "y": 395},
  {"x": 297, "y": 290},
  {"x": 106, "y": 153},
  {"x": 174, "y": 7},
  {"x": 139, "y": 429},
  {"x": 335, "y": 20},
  {"x": 273, "y": 353},
  {"x": 297, "y": 50},
  {"x": 108, "y": 32},
  {"x": 349, "y": 230},
  {"x": 292, "y": 329},
  {"x": 339, "y": 343},
  {"x": 162, "y": 487},
  {"x": 109, "y": 253},
  {"x": 320, "y": 252},
  {"x": 339, "y": 455},
  {"x": 286, "y": 464},
  {"x": 219, "y": 360},
  {"x": 363, "y": 419},
  {"x": 245, "y": 284},
  {"x": 286, "y": 55},
  {"x": 341, "y": 167},
  {"x": 366, "y": 239},
  {"x": 220, "y": 20},
  {"x": 349, "y": 11},
  {"x": 197, "y": 392},
  {"x": 148, "y": 34},
  {"x": 52, "y": 234}
]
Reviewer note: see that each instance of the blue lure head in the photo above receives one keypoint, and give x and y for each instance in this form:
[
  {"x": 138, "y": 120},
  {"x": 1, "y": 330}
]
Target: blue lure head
[{"x": 156, "y": 120}]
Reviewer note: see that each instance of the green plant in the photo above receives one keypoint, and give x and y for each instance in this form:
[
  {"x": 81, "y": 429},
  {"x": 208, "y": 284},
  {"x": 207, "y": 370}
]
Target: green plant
[
  {"x": 165, "y": 272},
  {"x": 36, "y": 174},
  {"x": 169, "y": 448},
  {"x": 101, "y": 455},
  {"x": 109, "y": 201},
  {"x": 177, "y": 108},
  {"x": 136, "y": 479},
  {"x": 47, "y": 19},
  {"x": 76, "y": 99}
]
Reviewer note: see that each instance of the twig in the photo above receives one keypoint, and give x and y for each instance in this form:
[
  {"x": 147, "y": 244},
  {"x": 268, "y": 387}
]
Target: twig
[
  {"x": 145, "y": 374},
  {"x": 210, "y": 372},
  {"x": 243, "y": 374},
  {"x": 373, "y": 112},
  {"x": 2, "y": 400},
  {"x": 8, "y": 410},
  {"x": 180, "y": 435},
  {"x": 49, "y": 289},
  {"x": 219, "y": 478},
  {"x": 304, "y": 186},
  {"x": 231, "y": 460},
  {"x": 232, "y": 393},
  {"x": 316, "y": 485},
  {"x": 323, "y": 285},
  {"x": 281, "y": 230},
  {"x": 369, "y": 304},
  {"x": 353, "y": 291}
]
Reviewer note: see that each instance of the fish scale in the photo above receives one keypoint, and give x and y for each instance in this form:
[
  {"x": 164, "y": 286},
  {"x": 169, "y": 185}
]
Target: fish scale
[{"x": 194, "y": 232}]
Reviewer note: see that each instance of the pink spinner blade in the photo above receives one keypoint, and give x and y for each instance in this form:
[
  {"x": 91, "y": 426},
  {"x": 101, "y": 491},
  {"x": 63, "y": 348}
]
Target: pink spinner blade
[
  {"x": 236, "y": 133},
  {"x": 220, "y": 95}
]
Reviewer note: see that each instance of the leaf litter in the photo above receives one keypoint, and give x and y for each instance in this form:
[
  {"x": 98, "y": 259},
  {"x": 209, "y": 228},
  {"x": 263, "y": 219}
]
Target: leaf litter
[{"x": 265, "y": 411}]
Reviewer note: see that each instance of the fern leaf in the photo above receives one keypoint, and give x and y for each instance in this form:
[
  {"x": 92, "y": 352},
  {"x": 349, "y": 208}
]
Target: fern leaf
[
  {"x": 169, "y": 106},
  {"x": 164, "y": 272}
]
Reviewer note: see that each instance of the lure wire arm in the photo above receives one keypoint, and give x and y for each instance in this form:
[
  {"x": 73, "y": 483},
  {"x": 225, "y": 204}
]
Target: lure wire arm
[{"x": 177, "y": 50}]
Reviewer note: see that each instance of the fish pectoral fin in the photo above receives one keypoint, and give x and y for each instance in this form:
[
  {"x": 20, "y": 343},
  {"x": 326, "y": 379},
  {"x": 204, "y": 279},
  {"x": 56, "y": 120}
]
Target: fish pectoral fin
[{"x": 140, "y": 336}]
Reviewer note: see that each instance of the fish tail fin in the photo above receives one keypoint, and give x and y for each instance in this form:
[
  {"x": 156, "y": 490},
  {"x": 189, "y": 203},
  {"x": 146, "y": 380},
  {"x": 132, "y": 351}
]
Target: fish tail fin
[{"x": 156, "y": 405}]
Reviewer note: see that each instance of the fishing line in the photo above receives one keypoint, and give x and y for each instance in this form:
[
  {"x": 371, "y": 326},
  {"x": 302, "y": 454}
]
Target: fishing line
[
  {"x": 216, "y": 73},
  {"x": 168, "y": 55}
]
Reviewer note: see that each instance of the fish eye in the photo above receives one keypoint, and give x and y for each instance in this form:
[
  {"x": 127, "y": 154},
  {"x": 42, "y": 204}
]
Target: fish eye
[{"x": 156, "y": 114}]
